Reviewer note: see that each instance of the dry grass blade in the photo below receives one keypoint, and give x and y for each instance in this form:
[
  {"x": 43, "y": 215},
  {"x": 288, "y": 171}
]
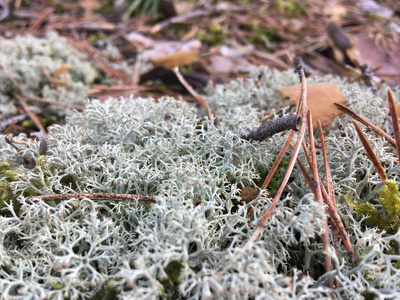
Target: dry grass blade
[
  {"x": 31, "y": 115},
  {"x": 365, "y": 122},
  {"x": 318, "y": 195},
  {"x": 395, "y": 121},
  {"x": 198, "y": 97},
  {"x": 370, "y": 152}
]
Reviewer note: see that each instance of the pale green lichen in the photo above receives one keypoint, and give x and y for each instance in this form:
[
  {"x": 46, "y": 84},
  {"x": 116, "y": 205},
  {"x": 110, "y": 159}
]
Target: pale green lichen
[
  {"x": 178, "y": 247},
  {"x": 23, "y": 56}
]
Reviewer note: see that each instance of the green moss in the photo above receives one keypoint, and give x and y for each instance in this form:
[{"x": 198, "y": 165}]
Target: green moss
[
  {"x": 290, "y": 7},
  {"x": 99, "y": 36},
  {"x": 7, "y": 175},
  {"x": 389, "y": 218},
  {"x": 214, "y": 35},
  {"x": 29, "y": 124},
  {"x": 258, "y": 34},
  {"x": 173, "y": 270}
]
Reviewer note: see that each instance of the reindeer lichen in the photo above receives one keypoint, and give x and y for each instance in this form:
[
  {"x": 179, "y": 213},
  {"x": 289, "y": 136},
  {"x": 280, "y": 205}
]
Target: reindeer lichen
[
  {"x": 26, "y": 58},
  {"x": 187, "y": 244}
]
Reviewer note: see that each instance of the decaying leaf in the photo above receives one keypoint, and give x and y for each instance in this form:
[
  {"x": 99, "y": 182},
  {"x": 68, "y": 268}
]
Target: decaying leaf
[
  {"x": 320, "y": 99},
  {"x": 177, "y": 59}
]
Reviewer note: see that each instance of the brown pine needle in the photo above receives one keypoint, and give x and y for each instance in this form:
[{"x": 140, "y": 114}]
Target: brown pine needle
[
  {"x": 197, "y": 96},
  {"x": 329, "y": 185},
  {"x": 318, "y": 195},
  {"x": 370, "y": 152},
  {"x": 95, "y": 196},
  {"x": 329, "y": 181},
  {"x": 31, "y": 115},
  {"x": 395, "y": 121},
  {"x": 303, "y": 104},
  {"x": 339, "y": 225},
  {"x": 361, "y": 119}
]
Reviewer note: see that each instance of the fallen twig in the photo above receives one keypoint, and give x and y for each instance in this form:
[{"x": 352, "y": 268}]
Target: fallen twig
[
  {"x": 278, "y": 125},
  {"x": 95, "y": 196}
]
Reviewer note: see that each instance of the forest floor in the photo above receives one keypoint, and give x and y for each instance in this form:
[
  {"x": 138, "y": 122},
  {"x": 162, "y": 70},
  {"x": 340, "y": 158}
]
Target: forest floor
[{"x": 216, "y": 41}]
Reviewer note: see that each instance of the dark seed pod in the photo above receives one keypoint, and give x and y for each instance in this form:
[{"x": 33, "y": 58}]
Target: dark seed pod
[{"x": 269, "y": 129}]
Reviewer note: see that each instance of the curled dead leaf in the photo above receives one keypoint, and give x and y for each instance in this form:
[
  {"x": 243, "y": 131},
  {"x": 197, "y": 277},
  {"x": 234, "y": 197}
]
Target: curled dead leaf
[{"x": 320, "y": 99}]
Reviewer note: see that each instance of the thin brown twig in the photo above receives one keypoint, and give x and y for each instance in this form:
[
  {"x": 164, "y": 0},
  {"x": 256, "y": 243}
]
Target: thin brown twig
[
  {"x": 197, "y": 96},
  {"x": 95, "y": 196},
  {"x": 370, "y": 152},
  {"x": 395, "y": 121},
  {"x": 318, "y": 195},
  {"x": 31, "y": 115},
  {"x": 361, "y": 119},
  {"x": 282, "y": 152}
]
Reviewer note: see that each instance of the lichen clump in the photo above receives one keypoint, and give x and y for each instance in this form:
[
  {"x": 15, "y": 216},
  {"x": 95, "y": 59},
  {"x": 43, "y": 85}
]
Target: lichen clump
[
  {"x": 27, "y": 58},
  {"x": 187, "y": 245}
]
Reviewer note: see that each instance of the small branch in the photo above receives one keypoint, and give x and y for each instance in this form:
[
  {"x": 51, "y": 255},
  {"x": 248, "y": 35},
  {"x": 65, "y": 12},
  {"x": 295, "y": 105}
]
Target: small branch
[
  {"x": 365, "y": 122},
  {"x": 95, "y": 196},
  {"x": 395, "y": 121},
  {"x": 197, "y": 96},
  {"x": 278, "y": 125}
]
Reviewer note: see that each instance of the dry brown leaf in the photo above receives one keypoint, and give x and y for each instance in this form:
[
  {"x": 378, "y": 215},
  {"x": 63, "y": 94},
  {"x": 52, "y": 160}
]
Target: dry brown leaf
[
  {"x": 177, "y": 59},
  {"x": 320, "y": 99}
]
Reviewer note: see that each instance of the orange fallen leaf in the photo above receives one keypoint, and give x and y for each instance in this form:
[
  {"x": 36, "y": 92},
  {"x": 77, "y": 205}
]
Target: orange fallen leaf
[
  {"x": 177, "y": 59},
  {"x": 320, "y": 99}
]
